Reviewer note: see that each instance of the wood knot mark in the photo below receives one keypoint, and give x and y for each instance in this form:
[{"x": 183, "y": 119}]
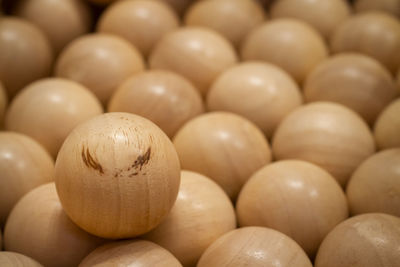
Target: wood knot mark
[
  {"x": 142, "y": 160},
  {"x": 89, "y": 161}
]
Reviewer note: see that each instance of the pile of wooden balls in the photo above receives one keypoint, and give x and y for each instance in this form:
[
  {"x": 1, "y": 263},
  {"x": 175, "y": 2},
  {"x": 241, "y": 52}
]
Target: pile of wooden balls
[{"x": 204, "y": 133}]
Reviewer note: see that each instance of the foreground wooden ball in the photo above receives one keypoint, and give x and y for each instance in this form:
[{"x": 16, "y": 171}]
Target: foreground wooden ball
[
  {"x": 164, "y": 97},
  {"x": 387, "y": 126},
  {"x": 288, "y": 43},
  {"x": 323, "y": 15},
  {"x": 202, "y": 213},
  {"x": 326, "y": 134},
  {"x": 369, "y": 240},
  {"x": 141, "y": 22},
  {"x": 24, "y": 165},
  {"x": 117, "y": 175},
  {"x": 130, "y": 253},
  {"x": 233, "y": 19},
  {"x": 354, "y": 80},
  {"x": 296, "y": 198},
  {"x": 198, "y": 54},
  {"x": 13, "y": 259},
  {"x": 61, "y": 21},
  {"x": 100, "y": 62},
  {"x": 260, "y": 92},
  {"x": 25, "y": 54},
  {"x": 38, "y": 227},
  {"x": 254, "y": 246},
  {"x": 47, "y": 110},
  {"x": 376, "y": 34},
  {"x": 223, "y": 146},
  {"x": 3, "y": 104},
  {"x": 390, "y": 6}
]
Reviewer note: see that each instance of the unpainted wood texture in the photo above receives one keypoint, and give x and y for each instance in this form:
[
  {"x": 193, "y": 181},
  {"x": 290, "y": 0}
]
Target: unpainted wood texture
[
  {"x": 390, "y": 6},
  {"x": 13, "y": 259},
  {"x": 3, "y": 104},
  {"x": 387, "y": 126},
  {"x": 180, "y": 6}
]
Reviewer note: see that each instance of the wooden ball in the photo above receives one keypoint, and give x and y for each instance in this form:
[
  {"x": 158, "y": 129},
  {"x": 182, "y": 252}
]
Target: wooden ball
[
  {"x": 196, "y": 53},
  {"x": 165, "y": 98},
  {"x": 323, "y": 15},
  {"x": 117, "y": 175},
  {"x": 369, "y": 240},
  {"x": 254, "y": 246},
  {"x": 233, "y": 19},
  {"x": 12, "y": 259},
  {"x": 25, "y": 54},
  {"x": 290, "y": 44},
  {"x": 376, "y": 34},
  {"x": 357, "y": 81},
  {"x": 202, "y": 213},
  {"x": 102, "y": 2},
  {"x": 390, "y": 6},
  {"x": 296, "y": 198},
  {"x": 180, "y": 6},
  {"x": 3, "y": 104},
  {"x": 260, "y": 92},
  {"x": 38, "y": 227},
  {"x": 387, "y": 126},
  {"x": 326, "y": 134},
  {"x": 24, "y": 165},
  {"x": 62, "y": 21},
  {"x": 398, "y": 79},
  {"x": 45, "y": 103},
  {"x": 100, "y": 62},
  {"x": 223, "y": 146},
  {"x": 141, "y": 22},
  {"x": 130, "y": 253}
]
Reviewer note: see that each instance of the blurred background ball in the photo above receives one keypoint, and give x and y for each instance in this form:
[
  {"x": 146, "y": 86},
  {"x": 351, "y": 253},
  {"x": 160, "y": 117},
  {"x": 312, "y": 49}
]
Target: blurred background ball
[{"x": 387, "y": 126}]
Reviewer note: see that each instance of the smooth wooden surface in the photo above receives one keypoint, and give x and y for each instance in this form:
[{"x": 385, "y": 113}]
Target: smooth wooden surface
[
  {"x": 375, "y": 185},
  {"x": 387, "y": 126},
  {"x": 223, "y": 146},
  {"x": 117, "y": 175},
  {"x": 3, "y": 104},
  {"x": 38, "y": 227},
  {"x": 102, "y": 2},
  {"x": 142, "y": 22},
  {"x": 256, "y": 247},
  {"x": 132, "y": 253},
  {"x": 62, "y": 21},
  {"x": 296, "y": 198},
  {"x": 260, "y": 92},
  {"x": 326, "y": 134},
  {"x": 390, "y": 6},
  {"x": 25, "y": 54},
  {"x": 233, "y": 19},
  {"x": 24, "y": 165},
  {"x": 1, "y": 241},
  {"x": 354, "y": 80},
  {"x": 180, "y": 6},
  {"x": 369, "y": 240},
  {"x": 100, "y": 62},
  {"x": 290, "y": 44},
  {"x": 197, "y": 53},
  {"x": 323, "y": 15},
  {"x": 13, "y": 259},
  {"x": 48, "y": 109},
  {"x": 376, "y": 34},
  {"x": 201, "y": 214},
  {"x": 166, "y": 98}
]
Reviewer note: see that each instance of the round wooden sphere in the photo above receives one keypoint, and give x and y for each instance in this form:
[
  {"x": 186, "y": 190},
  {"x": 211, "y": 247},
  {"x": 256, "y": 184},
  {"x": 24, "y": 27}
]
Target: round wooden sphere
[
  {"x": 117, "y": 175},
  {"x": 25, "y": 54},
  {"x": 296, "y": 198},
  {"x": 196, "y": 53},
  {"x": 38, "y": 227},
  {"x": 100, "y": 62},
  {"x": 290, "y": 44},
  {"x": 180, "y": 6},
  {"x": 164, "y": 97},
  {"x": 233, "y": 19},
  {"x": 357, "y": 81},
  {"x": 223, "y": 146},
  {"x": 13, "y": 259},
  {"x": 62, "y": 21},
  {"x": 254, "y": 246},
  {"x": 398, "y": 79},
  {"x": 369, "y": 240},
  {"x": 260, "y": 92},
  {"x": 326, "y": 134},
  {"x": 141, "y": 22},
  {"x": 47, "y": 110},
  {"x": 137, "y": 253},
  {"x": 376, "y": 34},
  {"x": 323, "y": 15},
  {"x": 201, "y": 214},
  {"x": 374, "y": 186},
  {"x": 390, "y": 6},
  {"x": 3, "y": 104},
  {"x": 387, "y": 126},
  {"x": 24, "y": 165}
]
